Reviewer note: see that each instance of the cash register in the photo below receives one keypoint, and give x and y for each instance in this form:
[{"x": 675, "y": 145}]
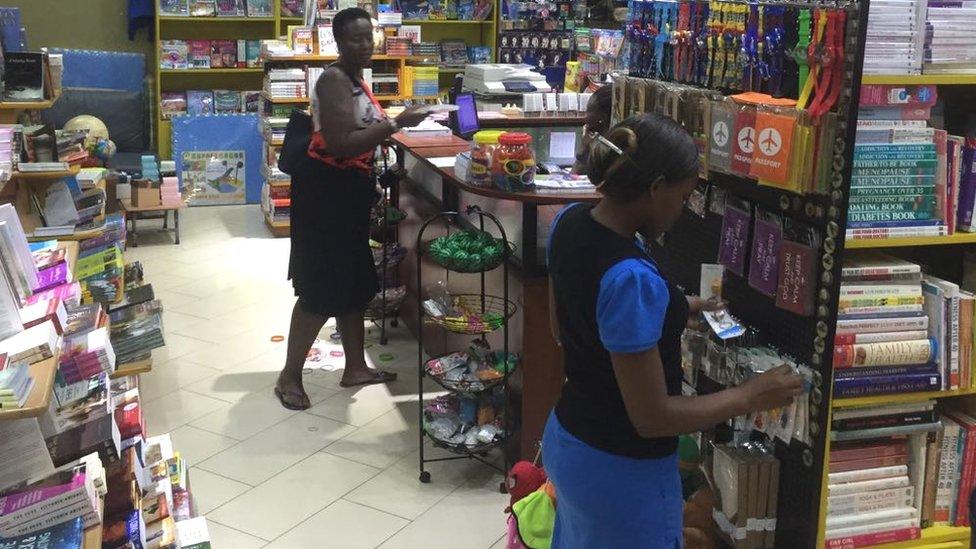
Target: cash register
[{"x": 504, "y": 79}]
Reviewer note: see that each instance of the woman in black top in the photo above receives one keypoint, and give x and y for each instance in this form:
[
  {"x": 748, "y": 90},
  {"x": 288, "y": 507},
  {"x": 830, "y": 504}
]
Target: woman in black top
[
  {"x": 610, "y": 444},
  {"x": 331, "y": 265}
]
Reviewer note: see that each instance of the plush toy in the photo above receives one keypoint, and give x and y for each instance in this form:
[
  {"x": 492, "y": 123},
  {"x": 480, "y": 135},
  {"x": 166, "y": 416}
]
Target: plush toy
[{"x": 524, "y": 478}]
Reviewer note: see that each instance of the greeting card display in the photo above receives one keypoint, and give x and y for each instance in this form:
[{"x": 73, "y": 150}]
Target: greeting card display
[{"x": 735, "y": 235}]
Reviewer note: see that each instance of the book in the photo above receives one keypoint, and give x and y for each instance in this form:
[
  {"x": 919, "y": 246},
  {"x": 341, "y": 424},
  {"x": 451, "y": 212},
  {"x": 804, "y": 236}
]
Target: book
[
  {"x": 100, "y": 435},
  {"x": 193, "y": 533},
  {"x": 843, "y": 466},
  {"x": 881, "y": 309},
  {"x": 223, "y": 54},
  {"x": 47, "y": 502},
  {"x": 199, "y": 102},
  {"x": 950, "y": 331},
  {"x": 886, "y": 420},
  {"x": 967, "y": 464},
  {"x": 253, "y": 48},
  {"x": 174, "y": 54},
  {"x": 200, "y": 55},
  {"x": 23, "y": 454},
  {"x": 933, "y": 459},
  {"x": 302, "y": 40},
  {"x": 226, "y": 101},
  {"x": 878, "y": 337},
  {"x": 952, "y": 438},
  {"x": 259, "y": 8},
  {"x": 876, "y": 538},
  {"x": 230, "y": 8},
  {"x": 876, "y": 264},
  {"x": 875, "y": 500},
  {"x": 882, "y": 385},
  {"x": 890, "y": 353},
  {"x": 174, "y": 7},
  {"x": 64, "y": 535},
  {"x": 843, "y": 477},
  {"x": 23, "y": 76},
  {"x": 33, "y": 344},
  {"x": 52, "y": 310},
  {"x": 203, "y": 8}
]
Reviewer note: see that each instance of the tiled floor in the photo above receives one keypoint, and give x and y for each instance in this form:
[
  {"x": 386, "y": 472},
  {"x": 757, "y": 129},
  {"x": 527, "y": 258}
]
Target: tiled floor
[{"x": 341, "y": 475}]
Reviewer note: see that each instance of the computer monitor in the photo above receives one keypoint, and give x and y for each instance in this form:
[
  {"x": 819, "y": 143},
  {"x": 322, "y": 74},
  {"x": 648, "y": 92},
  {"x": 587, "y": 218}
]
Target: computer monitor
[{"x": 464, "y": 121}]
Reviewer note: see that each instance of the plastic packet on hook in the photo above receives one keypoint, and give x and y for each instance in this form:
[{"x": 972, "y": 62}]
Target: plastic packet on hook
[
  {"x": 722, "y": 122},
  {"x": 773, "y": 152}
]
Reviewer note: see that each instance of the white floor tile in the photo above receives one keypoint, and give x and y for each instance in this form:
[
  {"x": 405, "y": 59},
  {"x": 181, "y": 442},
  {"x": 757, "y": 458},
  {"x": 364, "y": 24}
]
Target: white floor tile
[
  {"x": 210, "y": 491},
  {"x": 170, "y": 376},
  {"x": 469, "y": 517},
  {"x": 273, "y": 450},
  {"x": 383, "y": 441},
  {"x": 344, "y": 524},
  {"x": 287, "y": 499},
  {"x": 222, "y": 537},
  {"x": 196, "y": 445},
  {"x": 177, "y": 409},
  {"x": 178, "y": 346},
  {"x": 357, "y": 406},
  {"x": 246, "y": 417}
]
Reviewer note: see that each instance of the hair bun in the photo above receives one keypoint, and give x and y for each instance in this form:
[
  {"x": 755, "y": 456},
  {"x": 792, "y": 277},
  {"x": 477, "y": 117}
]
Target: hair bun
[{"x": 605, "y": 161}]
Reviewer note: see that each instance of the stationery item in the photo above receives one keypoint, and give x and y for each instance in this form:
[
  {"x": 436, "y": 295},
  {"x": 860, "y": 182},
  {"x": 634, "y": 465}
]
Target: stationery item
[
  {"x": 797, "y": 268},
  {"x": 743, "y": 139},
  {"x": 734, "y": 235},
  {"x": 766, "y": 242}
]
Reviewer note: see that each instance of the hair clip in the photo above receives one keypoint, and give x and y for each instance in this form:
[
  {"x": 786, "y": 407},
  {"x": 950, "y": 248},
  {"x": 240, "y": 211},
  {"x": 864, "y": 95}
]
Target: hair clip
[{"x": 609, "y": 144}]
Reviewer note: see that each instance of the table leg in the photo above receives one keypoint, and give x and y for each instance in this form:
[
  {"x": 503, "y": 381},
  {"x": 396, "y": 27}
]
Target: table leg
[
  {"x": 176, "y": 225},
  {"x": 135, "y": 237},
  {"x": 165, "y": 220}
]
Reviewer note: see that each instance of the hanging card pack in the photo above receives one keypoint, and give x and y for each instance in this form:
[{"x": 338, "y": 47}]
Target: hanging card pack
[
  {"x": 802, "y": 157},
  {"x": 720, "y": 139},
  {"x": 764, "y": 261},
  {"x": 735, "y": 235},
  {"x": 797, "y": 268},
  {"x": 774, "y": 147},
  {"x": 743, "y": 140}
]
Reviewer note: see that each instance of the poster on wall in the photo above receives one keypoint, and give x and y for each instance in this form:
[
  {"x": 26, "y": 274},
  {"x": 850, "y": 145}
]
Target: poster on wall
[{"x": 215, "y": 177}]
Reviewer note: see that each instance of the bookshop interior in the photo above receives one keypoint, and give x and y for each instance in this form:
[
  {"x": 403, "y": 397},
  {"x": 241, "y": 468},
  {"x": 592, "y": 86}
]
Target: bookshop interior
[{"x": 595, "y": 274}]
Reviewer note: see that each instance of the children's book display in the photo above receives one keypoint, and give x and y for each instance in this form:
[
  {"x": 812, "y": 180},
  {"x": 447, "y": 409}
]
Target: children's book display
[
  {"x": 209, "y": 54},
  {"x": 216, "y": 8},
  {"x": 76, "y": 319}
]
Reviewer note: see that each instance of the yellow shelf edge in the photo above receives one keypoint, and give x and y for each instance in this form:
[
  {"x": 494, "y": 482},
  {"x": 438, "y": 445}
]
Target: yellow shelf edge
[
  {"x": 185, "y": 19},
  {"x": 947, "y": 240},
  {"x": 248, "y": 70},
  {"x": 899, "y": 398},
  {"x": 931, "y": 536},
  {"x": 446, "y": 22},
  {"x": 945, "y": 79}
]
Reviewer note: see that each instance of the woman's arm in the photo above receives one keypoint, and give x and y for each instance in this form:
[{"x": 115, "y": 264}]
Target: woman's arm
[{"x": 653, "y": 413}]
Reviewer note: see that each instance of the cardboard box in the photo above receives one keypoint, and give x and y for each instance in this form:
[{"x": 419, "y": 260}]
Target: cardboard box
[{"x": 145, "y": 194}]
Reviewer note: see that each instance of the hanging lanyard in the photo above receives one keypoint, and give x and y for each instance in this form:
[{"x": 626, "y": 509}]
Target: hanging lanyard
[
  {"x": 774, "y": 43},
  {"x": 814, "y": 50},
  {"x": 682, "y": 40},
  {"x": 801, "y": 50},
  {"x": 832, "y": 69},
  {"x": 712, "y": 38}
]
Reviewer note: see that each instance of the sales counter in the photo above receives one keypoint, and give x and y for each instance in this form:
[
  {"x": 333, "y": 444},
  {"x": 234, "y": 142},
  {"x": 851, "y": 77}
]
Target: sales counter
[{"x": 430, "y": 187}]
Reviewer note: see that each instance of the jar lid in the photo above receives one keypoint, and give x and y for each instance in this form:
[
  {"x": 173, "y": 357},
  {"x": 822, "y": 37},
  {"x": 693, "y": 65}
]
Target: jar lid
[
  {"x": 515, "y": 138},
  {"x": 487, "y": 137}
]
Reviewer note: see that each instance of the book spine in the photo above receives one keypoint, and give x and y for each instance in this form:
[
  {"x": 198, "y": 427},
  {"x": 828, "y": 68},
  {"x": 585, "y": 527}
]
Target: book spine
[
  {"x": 895, "y": 448},
  {"x": 848, "y": 291},
  {"x": 895, "y": 224},
  {"x": 877, "y": 538},
  {"x": 879, "y": 337},
  {"x": 877, "y": 300},
  {"x": 861, "y": 217},
  {"x": 869, "y": 148},
  {"x": 871, "y": 310},
  {"x": 890, "y": 353},
  {"x": 966, "y": 481},
  {"x": 9, "y": 521},
  {"x": 953, "y": 311},
  {"x": 933, "y": 454},
  {"x": 943, "y": 496},
  {"x": 867, "y": 474},
  {"x": 882, "y": 325},
  {"x": 881, "y": 505},
  {"x": 891, "y": 185},
  {"x": 885, "y": 385},
  {"x": 896, "y": 232},
  {"x": 85, "y": 510},
  {"x": 893, "y": 420},
  {"x": 915, "y": 172},
  {"x": 957, "y": 469},
  {"x": 861, "y": 372},
  {"x": 927, "y": 164},
  {"x": 866, "y": 486}
]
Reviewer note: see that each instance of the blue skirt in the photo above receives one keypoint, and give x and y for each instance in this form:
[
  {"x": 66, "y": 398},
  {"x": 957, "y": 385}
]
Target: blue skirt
[{"x": 605, "y": 500}]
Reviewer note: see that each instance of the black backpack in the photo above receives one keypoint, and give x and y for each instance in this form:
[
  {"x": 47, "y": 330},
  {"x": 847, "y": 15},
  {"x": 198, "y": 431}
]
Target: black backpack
[{"x": 298, "y": 136}]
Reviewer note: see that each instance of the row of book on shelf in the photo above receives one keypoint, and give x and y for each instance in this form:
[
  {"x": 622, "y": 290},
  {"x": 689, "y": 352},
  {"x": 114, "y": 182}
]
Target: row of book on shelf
[
  {"x": 920, "y": 37},
  {"x": 73, "y": 318},
  {"x": 218, "y": 8},
  {"x": 908, "y": 179},
  {"x": 299, "y": 82},
  {"x": 41, "y": 148},
  {"x": 451, "y": 52},
  {"x": 201, "y": 102},
  {"x": 900, "y": 330},
  {"x": 209, "y": 54},
  {"x": 895, "y": 469}
]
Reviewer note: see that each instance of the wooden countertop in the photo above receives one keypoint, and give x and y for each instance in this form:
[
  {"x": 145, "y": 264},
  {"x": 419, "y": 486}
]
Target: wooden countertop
[{"x": 428, "y": 148}]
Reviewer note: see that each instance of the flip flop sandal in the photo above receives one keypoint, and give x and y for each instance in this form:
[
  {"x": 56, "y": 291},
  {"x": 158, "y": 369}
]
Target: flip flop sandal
[
  {"x": 281, "y": 398},
  {"x": 380, "y": 377}
]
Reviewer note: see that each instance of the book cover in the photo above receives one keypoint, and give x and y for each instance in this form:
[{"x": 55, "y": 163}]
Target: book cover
[
  {"x": 967, "y": 189},
  {"x": 253, "y": 53},
  {"x": 65, "y": 535},
  {"x": 327, "y": 43},
  {"x": 100, "y": 435},
  {"x": 193, "y": 533},
  {"x": 199, "y": 102},
  {"x": 259, "y": 8},
  {"x": 203, "y": 8},
  {"x": 179, "y": 8},
  {"x": 174, "y": 54},
  {"x": 200, "y": 54},
  {"x": 172, "y": 104},
  {"x": 226, "y": 101},
  {"x": 230, "y": 8},
  {"x": 292, "y": 8},
  {"x": 23, "y": 76},
  {"x": 302, "y": 40},
  {"x": 227, "y": 51},
  {"x": 890, "y": 353},
  {"x": 876, "y": 95}
]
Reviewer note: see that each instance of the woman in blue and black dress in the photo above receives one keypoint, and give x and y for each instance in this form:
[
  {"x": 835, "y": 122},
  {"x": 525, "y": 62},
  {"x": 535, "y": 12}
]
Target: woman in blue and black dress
[
  {"x": 331, "y": 265},
  {"x": 610, "y": 444}
]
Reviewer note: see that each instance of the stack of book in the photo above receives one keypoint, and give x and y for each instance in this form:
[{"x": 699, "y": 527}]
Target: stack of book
[
  {"x": 209, "y": 54},
  {"x": 100, "y": 266},
  {"x": 274, "y": 127},
  {"x": 883, "y": 343},
  {"x": 16, "y": 263},
  {"x": 16, "y": 383},
  {"x": 747, "y": 488},
  {"x": 286, "y": 84},
  {"x": 137, "y": 328},
  {"x": 312, "y": 77},
  {"x": 875, "y": 490},
  {"x": 421, "y": 81},
  {"x": 32, "y": 345},
  {"x": 86, "y": 356},
  {"x": 948, "y": 48},
  {"x": 950, "y": 311},
  {"x": 899, "y": 178},
  {"x": 957, "y": 472},
  {"x": 6, "y": 151},
  {"x": 895, "y": 37}
]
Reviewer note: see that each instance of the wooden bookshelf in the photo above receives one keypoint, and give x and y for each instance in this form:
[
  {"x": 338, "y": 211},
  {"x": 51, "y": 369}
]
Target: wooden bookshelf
[
  {"x": 934, "y": 537},
  {"x": 46, "y": 176},
  {"x": 211, "y": 72},
  {"x": 212, "y": 20},
  {"x": 284, "y": 100},
  {"x": 898, "y": 398},
  {"x": 279, "y": 229}
]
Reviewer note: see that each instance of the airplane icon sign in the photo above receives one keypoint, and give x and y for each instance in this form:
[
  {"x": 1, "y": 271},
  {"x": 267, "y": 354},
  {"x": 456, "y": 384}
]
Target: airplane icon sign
[
  {"x": 747, "y": 139},
  {"x": 770, "y": 141},
  {"x": 720, "y": 133}
]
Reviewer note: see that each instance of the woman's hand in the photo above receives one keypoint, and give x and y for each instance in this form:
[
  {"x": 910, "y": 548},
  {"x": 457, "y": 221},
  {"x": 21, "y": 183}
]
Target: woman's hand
[
  {"x": 411, "y": 116},
  {"x": 698, "y": 305},
  {"x": 773, "y": 389}
]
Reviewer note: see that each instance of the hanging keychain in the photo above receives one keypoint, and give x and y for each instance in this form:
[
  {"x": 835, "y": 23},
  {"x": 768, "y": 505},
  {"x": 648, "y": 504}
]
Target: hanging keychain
[{"x": 814, "y": 51}]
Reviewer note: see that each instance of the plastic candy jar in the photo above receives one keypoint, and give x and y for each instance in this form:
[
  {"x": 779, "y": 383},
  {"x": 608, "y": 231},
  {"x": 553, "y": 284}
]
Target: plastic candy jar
[
  {"x": 485, "y": 143},
  {"x": 513, "y": 164}
]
